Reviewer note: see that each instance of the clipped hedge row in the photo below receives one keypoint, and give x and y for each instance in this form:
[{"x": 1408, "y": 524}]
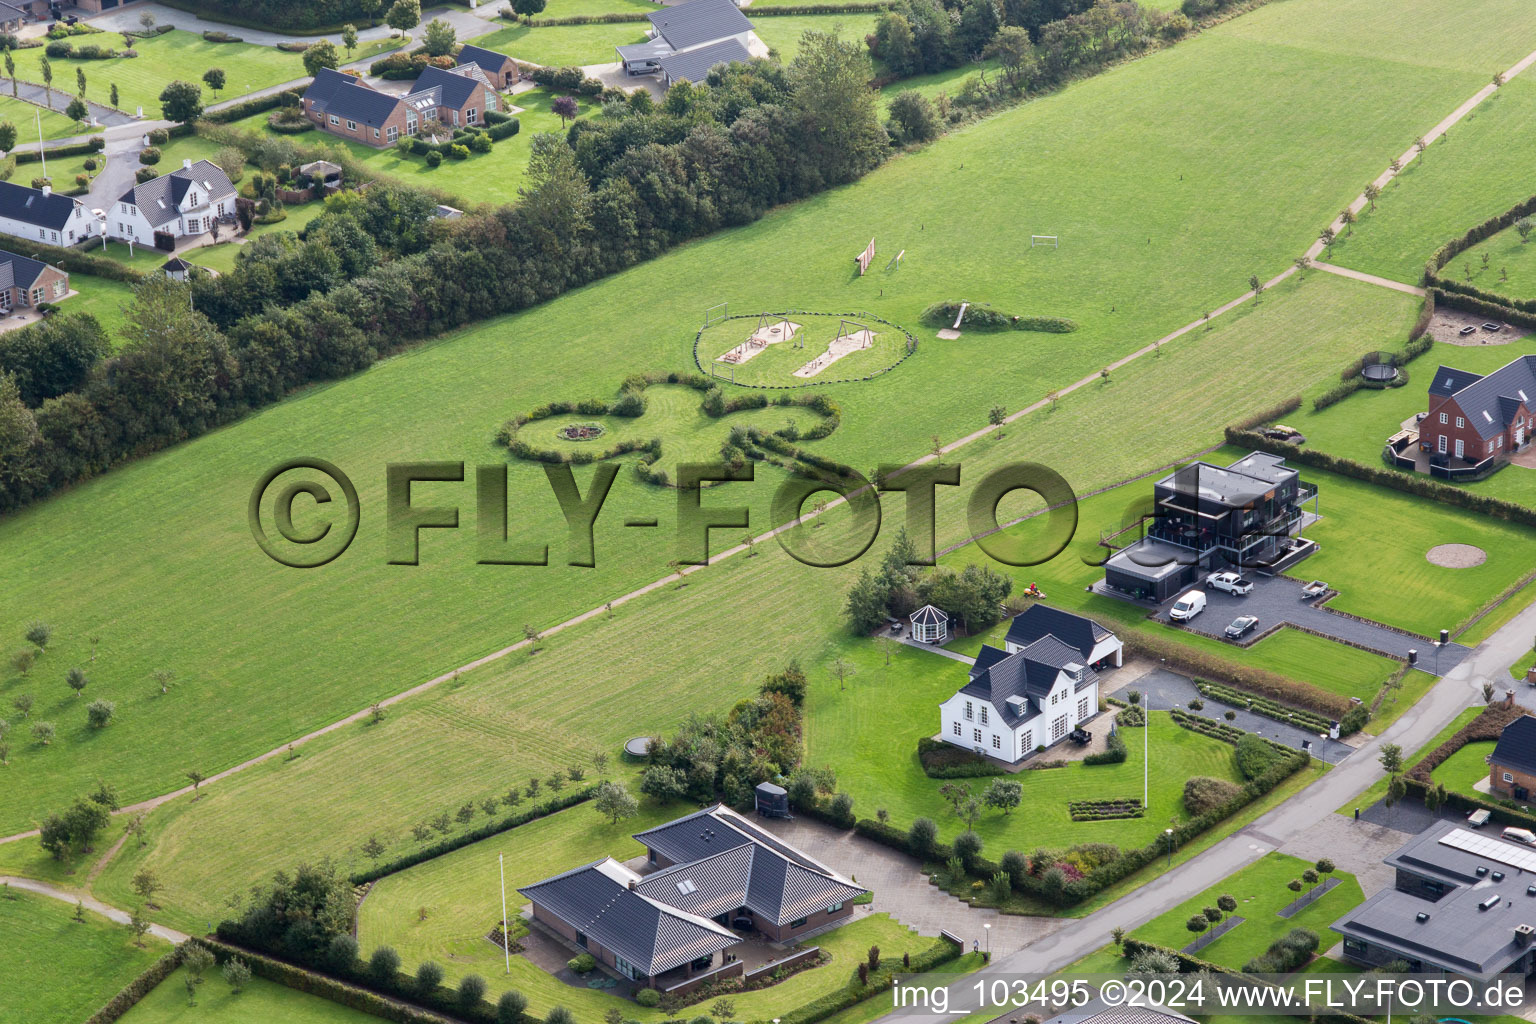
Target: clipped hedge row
[
  {"x": 93, "y": 145},
  {"x": 130, "y": 994},
  {"x": 1415, "y": 484},
  {"x": 1486, "y": 726},
  {"x": 1106, "y": 809},
  {"x": 1483, "y": 307},
  {"x": 474, "y": 835},
  {"x": 985, "y": 318},
  {"x": 1114, "y": 751},
  {"x": 316, "y": 984},
  {"x": 78, "y": 261},
  {"x": 942, "y": 760},
  {"x": 258, "y": 105},
  {"x": 1263, "y": 706},
  {"x": 941, "y": 952},
  {"x": 1487, "y": 229},
  {"x": 1269, "y": 415},
  {"x": 1260, "y": 681}
]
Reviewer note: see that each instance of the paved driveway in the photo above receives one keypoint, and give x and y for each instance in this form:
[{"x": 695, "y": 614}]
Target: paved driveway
[{"x": 1277, "y": 599}]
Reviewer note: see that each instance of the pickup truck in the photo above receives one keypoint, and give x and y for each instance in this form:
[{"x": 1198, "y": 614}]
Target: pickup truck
[{"x": 1230, "y": 582}]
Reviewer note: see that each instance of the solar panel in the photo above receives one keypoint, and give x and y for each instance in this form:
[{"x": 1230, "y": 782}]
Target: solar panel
[{"x": 1493, "y": 849}]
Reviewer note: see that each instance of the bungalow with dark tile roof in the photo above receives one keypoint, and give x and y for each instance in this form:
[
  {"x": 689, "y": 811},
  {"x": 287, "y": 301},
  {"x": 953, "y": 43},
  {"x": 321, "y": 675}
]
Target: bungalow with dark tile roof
[
  {"x": 498, "y": 67},
  {"x": 1035, "y": 692},
  {"x": 685, "y": 41},
  {"x": 710, "y": 877},
  {"x": 27, "y": 283},
  {"x": 346, "y": 106},
  {"x": 1512, "y": 765}
]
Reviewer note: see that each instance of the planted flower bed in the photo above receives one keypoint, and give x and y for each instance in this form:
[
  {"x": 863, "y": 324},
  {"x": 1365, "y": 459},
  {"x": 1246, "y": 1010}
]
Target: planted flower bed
[{"x": 1105, "y": 809}]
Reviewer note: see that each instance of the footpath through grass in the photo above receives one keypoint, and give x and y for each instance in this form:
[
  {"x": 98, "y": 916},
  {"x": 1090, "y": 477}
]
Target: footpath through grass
[{"x": 55, "y": 968}]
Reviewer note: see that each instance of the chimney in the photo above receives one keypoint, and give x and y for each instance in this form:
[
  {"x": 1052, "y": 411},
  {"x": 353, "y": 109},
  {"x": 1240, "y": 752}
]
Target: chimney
[
  {"x": 186, "y": 164},
  {"x": 632, "y": 885},
  {"x": 1509, "y": 698},
  {"x": 1523, "y": 934},
  {"x": 1530, "y": 674},
  {"x": 47, "y": 190}
]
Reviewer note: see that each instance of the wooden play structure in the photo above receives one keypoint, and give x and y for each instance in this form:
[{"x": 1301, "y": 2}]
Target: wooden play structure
[{"x": 866, "y": 257}]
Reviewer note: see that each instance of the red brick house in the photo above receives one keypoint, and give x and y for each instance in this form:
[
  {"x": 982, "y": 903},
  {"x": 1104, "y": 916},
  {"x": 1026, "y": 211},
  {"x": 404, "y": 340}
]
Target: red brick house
[
  {"x": 1474, "y": 418},
  {"x": 346, "y": 106},
  {"x": 26, "y": 283},
  {"x": 1512, "y": 765},
  {"x": 498, "y": 67}
]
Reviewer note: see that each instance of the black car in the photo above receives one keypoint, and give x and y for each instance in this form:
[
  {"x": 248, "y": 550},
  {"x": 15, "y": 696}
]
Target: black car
[{"x": 1241, "y": 626}]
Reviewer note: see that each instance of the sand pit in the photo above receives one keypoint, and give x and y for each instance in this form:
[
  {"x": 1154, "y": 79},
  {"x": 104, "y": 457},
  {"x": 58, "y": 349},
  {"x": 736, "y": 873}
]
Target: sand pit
[
  {"x": 844, "y": 344},
  {"x": 772, "y": 334},
  {"x": 1456, "y": 556}
]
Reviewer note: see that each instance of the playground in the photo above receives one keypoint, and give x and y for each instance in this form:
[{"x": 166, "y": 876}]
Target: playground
[{"x": 797, "y": 348}]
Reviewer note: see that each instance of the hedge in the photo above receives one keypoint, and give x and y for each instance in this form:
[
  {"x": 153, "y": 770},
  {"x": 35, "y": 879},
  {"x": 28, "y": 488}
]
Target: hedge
[
  {"x": 1106, "y": 809},
  {"x": 316, "y": 984},
  {"x": 1114, "y": 752},
  {"x": 128, "y": 997},
  {"x": 1260, "y": 681},
  {"x": 942, "y": 760},
  {"x": 93, "y": 145},
  {"x": 259, "y": 105},
  {"x": 1263, "y": 706},
  {"x": 941, "y": 952},
  {"x": 1415, "y": 484},
  {"x": 78, "y": 261},
  {"x": 1488, "y": 228}
]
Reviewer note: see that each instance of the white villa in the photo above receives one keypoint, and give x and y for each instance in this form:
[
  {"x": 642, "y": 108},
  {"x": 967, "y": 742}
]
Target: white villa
[
  {"x": 188, "y": 201},
  {"x": 1034, "y": 693}
]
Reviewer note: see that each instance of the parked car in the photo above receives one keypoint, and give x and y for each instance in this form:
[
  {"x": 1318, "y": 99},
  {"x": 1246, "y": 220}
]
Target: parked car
[
  {"x": 1230, "y": 582},
  {"x": 1520, "y": 835},
  {"x": 1241, "y": 626},
  {"x": 1188, "y": 606},
  {"x": 1469, "y": 329},
  {"x": 1317, "y": 588}
]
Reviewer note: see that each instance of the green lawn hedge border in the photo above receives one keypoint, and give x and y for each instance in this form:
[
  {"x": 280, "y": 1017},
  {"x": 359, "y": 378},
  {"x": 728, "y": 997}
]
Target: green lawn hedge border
[
  {"x": 942, "y": 760},
  {"x": 129, "y": 995},
  {"x": 259, "y": 105},
  {"x": 1262, "y": 682},
  {"x": 1260, "y": 705}
]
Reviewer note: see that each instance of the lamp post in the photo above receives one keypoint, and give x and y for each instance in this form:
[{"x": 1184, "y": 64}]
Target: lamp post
[
  {"x": 1169, "y": 833},
  {"x": 988, "y": 934}
]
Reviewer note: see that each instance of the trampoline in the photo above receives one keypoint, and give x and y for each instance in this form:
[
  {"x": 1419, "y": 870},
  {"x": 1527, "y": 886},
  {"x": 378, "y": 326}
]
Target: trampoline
[
  {"x": 640, "y": 746},
  {"x": 1379, "y": 372}
]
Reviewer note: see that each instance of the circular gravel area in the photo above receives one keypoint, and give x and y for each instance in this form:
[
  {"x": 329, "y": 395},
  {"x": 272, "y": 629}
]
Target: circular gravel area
[{"x": 1456, "y": 556}]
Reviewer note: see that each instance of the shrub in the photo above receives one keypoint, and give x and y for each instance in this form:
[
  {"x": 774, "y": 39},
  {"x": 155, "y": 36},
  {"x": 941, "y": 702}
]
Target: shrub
[
  {"x": 428, "y": 976},
  {"x": 1204, "y": 793},
  {"x": 582, "y": 963},
  {"x": 149, "y": 155},
  {"x": 1254, "y": 755},
  {"x": 648, "y": 997},
  {"x": 99, "y": 713},
  {"x": 158, "y": 136},
  {"x": 1288, "y": 952},
  {"x": 1114, "y": 751},
  {"x": 59, "y": 48},
  {"x": 480, "y": 143},
  {"x": 458, "y": 151},
  {"x": 923, "y": 838},
  {"x": 214, "y": 36},
  {"x": 434, "y": 158},
  {"x": 471, "y": 992},
  {"x": 383, "y": 965},
  {"x": 510, "y": 1007},
  {"x": 967, "y": 847}
]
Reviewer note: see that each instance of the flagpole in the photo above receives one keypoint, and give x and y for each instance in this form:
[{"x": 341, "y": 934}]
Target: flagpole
[
  {"x": 506, "y": 948},
  {"x": 41, "y": 151}
]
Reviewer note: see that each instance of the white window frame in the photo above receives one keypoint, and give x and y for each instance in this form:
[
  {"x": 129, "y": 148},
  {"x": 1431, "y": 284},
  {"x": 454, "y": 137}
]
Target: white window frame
[
  {"x": 1082, "y": 709},
  {"x": 983, "y": 714},
  {"x": 976, "y": 735},
  {"x": 970, "y": 712},
  {"x": 1442, "y": 444},
  {"x": 997, "y": 742},
  {"x": 471, "y": 115},
  {"x": 957, "y": 729},
  {"x": 1508, "y": 777},
  {"x": 1444, "y": 418},
  {"x": 392, "y": 134},
  {"x": 334, "y": 119},
  {"x": 1460, "y": 422},
  {"x": 351, "y": 125}
]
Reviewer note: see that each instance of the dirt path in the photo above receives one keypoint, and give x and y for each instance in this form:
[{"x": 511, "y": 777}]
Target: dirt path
[
  {"x": 1357, "y": 275},
  {"x": 111, "y": 913}
]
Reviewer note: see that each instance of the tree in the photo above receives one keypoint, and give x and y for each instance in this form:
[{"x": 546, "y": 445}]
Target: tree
[
  {"x": 46, "y": 67},
  {"x": 1347, "y": 218},
  {"x": 10, "y": 71},
  {"x": 663, "y": 783},
  {"x": 1372, "y": 193},
  {"x": 349, "y": 38},
  {"x": 80, "y": 911},
  {"x": 913, "y": 117},
  {"x": 1327, "y": 236},
  {"x": 214, "y": 78},
  {"x": 43, "y": 733},
  {"x": 196, "y": 958},
  {"x": 429, "y": 975},
  {"x": 138, "y": 924},
  {"x": 135, "y": 827},
  {"x": 1011, "y": 48},
  {"x": 1303, "y": 264},
  {"x": 76, "y": 679},
  {"x": 196, "y": 776},
  {"x": 383, "y": 964},
  {"x": 22, "y": 702},
  {"x": 1324, "y": 866},
  {"x": 1117, "y": 935},
  {"x": 77, "y": 110},
  {"x": 510, "y": 1007},
  {"x": 532, "y": 634},
  {"x": 439, "y": 38},
  {"x": 1396, "y": 790},
  {"x": 23, "y": 660},
  {"x": 829, "y": 84},
  {"x": 1256, "y": 286},
  {"x": 237, "y": 973},
  {"x": 147, "y": 20},
  {"x": 322, "y": 54},
  {"x": 1197, "y": 924},
  {"x": 373, "y": 848},
  {"x": 38, "y": 634},
  {"x": 1226, "y": 902},
  {"x": 922, "y": 838},
  {"x": 1523, "y": 228},
  {"x": 80, "y": 86},
  {"x": 403, "y": 15},
  {"x": 936, "y": 449},
  {"x": 527, "y": 8},
  {"x": 841, "y": 670},
  {"x": 98, "y": 713},
  {"x": 1391, "y": 758},
  {"x": 370, "y": 9},
  {"x": 163, "y": 678},
  {"x": 1311, "y": 877},
  {"x": 1419, "y": 145},
  {"x": 182, "y": 102},
  {"x": 566, "y": 108},
  {"x": 1004, "y": 794},
  {"x": 113, "y": 94},
  {"x": 615, "y": 802},
  {"x": 600, "y": 761}
]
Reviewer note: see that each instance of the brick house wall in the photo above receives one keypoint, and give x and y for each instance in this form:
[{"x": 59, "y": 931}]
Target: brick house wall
[
  {"x": 364, "y": 132},
  {"x": 1474, "y": 446},
  {"x": 788, "y": 931},
  {"x": 54, "y": 284},
  {"x": 1519, "y": 786}
]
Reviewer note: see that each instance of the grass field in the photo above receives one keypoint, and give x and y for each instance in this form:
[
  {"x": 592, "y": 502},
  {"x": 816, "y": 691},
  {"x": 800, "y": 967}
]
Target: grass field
[
  {"x": 24, "y": 116},
  {"x": 57, "y": 969},
  {"x": 564, "y": 44},
  {"x": 1471, "y": 174},
  {"x": 1205, "y": 238},
  {"x": 1464, "y": 768},
  {"x": 782, "y": 32},
  {"x": 162, "y": 60},
  {"x": 1511, "y": 267},
  {"x": 260, "y": 1002}
]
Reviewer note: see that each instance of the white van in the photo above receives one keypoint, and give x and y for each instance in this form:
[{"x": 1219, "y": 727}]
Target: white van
[
  {"x": 1520, "y": 835},
  {"x": 1188, "y": 606}
]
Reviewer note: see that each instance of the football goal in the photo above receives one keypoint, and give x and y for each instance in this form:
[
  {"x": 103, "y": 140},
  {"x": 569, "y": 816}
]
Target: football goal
[
  {"x": 714, "y": 314},
  {"x": 1044, "y": 242}
]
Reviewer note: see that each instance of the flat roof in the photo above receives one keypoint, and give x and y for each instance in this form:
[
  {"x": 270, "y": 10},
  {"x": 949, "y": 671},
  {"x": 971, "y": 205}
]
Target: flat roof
[{"x": 1148, "y": 559}]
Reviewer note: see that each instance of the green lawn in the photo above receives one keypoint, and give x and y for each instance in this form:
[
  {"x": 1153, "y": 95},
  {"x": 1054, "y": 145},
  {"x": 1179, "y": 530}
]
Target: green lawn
[
  {"x": 1510, "y": 270},
  {"x": 260, "y": 1002},
  {"x": 782, "y": 32},
  {"x": 1475, "y": 172},
  {"x": 24, "y": 116},
  {"x": 173, "y": 525},
  {"x": 564, "y": 44},
  {"x": 161, "y": 60},
  {"x": 1378, "y": 789},
  {"x": 1261, "y": 892},
  {"x": 57, "y": 969},
  {"x": 1466, "y": 767},
  {"x": 222, "y": 257},
  {"x": 102, "y": 297},
  {"x": 948, "y": 81}
]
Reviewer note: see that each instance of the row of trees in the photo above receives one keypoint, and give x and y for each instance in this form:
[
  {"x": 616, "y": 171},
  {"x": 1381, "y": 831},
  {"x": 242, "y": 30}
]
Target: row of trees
[{"x": 375, "y": 271}]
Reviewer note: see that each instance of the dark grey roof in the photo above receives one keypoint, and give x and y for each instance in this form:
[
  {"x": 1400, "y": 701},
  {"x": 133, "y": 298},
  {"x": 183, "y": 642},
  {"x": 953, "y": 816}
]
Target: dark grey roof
[
  {"x": 18, "y": 271},
  {"x": 1248, "y": 479},
  {"x": 597, "y": 901},
  {"x": 929, "y": 615},
  {"x": 1482, "y": 399},
  {"x": 1449, "y": 380},
  {"x": 651, "y": 49},
  {"x": 694, "y": 64},
  {"x": 176, "y": 263},
  {"x": 470, "y": 54},
  {"x": 30, "y": 206},
  {"x": 158, "y": 199},
  {"x": 753, "y": 875},
  {"x": 1149, "y": 559},
  {"x": 344, "y": 96},
  {"x": 1039, "y": 620},
  {"x": 1517, "y": 745},
  {"x": 698, "y": 22},
  {"x": 705, "y": 833},
  {"x": 452, "y": 88},
  {"x": 11, "y": 11},
  {"x": 1465, "y": 931},
  {"x": 1030, "y": 673}
]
